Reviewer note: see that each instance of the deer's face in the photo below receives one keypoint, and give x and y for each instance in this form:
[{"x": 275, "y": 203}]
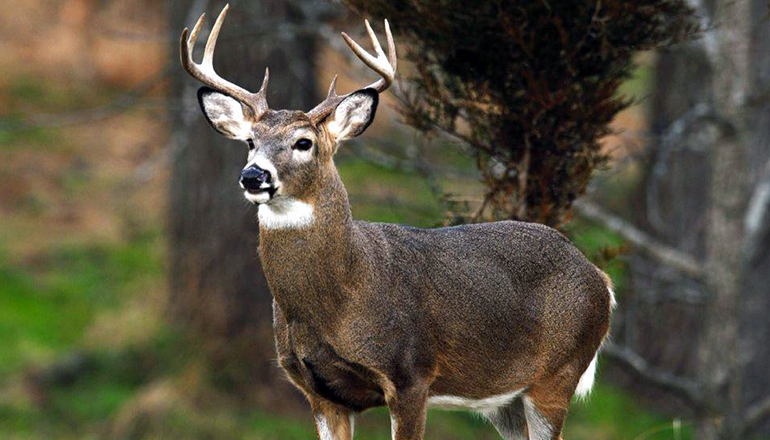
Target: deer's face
[{"x": 287, "y": 149}]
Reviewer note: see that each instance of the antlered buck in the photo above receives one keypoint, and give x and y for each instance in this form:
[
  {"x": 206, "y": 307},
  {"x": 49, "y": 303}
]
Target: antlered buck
[{"x": 501, "y": 318}]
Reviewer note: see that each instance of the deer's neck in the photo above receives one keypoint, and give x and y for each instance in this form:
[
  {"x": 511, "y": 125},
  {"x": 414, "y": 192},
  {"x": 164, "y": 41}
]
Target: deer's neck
[{"x": 309, "y": 249}]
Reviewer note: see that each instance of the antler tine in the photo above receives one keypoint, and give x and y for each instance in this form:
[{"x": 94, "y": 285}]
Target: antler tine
[
  {"x": 260, "y": 98},
  {"x": 384, "y": 65},
  {"x": 375, "y": 41},
  {"x": 194, "y": 34},
  {"x": 368, "y": 59},
  {"x": 211, "y": 43},
  {"x": 332, "y": 93},
  {"x": 392, "y": 58},
  {"x": 319, "y": 112},
  {"x": 186, "y": 45},
  {"x": 204, "y": 71}
]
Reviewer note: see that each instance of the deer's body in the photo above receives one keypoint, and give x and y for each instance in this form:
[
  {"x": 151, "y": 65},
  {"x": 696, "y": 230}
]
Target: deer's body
[
  {"x": 480, "y": 311},
  {"x": 503, "y": 318}
]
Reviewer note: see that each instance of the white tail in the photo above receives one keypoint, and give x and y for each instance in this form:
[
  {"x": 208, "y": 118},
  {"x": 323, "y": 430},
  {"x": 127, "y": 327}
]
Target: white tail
[{"x": 586, "y": 382}]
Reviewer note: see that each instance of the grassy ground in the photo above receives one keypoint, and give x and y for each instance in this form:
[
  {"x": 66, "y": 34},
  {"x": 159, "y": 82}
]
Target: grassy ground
[{"x": 83, "y": 346}]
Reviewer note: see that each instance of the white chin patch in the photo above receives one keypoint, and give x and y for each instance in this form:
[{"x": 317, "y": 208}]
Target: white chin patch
[
  {"x": 258, "y": 198},
  {"x": 285, "y": 213}
]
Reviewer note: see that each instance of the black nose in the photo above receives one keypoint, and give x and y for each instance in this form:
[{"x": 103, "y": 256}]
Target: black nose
[{"x": 253, "y": 177}]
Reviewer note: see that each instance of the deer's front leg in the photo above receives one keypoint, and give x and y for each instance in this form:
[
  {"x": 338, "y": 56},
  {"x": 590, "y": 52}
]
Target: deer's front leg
[
  {"x": 332, "y": 422},
  {"x": 408, "y": 412}
]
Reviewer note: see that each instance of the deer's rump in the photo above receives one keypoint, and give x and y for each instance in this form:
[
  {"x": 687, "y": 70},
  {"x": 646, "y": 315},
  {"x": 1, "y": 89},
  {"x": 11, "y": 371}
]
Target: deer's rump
[{"x": 497, "y": 305}]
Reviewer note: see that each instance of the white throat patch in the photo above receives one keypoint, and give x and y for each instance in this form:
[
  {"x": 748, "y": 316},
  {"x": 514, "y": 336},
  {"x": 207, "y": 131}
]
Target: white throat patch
[{"x": 285, "y": 213}]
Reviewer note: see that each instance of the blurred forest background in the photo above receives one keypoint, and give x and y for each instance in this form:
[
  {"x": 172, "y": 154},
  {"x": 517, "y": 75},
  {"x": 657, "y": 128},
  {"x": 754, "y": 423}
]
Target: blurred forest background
[{"x": 131, "y": 301}]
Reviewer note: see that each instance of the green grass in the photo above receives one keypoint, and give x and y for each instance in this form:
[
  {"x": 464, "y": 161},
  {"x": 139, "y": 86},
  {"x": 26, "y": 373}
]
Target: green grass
[
  {"x": 384, "y": 195},
  {"x": 36, "y": 321},
  {"x": 35, "y": 105},
  {"x": 14, "y": 133},
  {"x": 375, "y": 425},
  {"x": 261, "y": 424},
  {"x": 52, "y": 97},
  {"x": 611, "y": 413},
  {"x": 45, "y": 309}
]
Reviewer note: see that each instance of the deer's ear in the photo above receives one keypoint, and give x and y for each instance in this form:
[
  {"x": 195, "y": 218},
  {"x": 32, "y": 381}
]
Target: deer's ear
[
  {"x": 224, "y": 113},
  {"x": 353, "y": 115}
]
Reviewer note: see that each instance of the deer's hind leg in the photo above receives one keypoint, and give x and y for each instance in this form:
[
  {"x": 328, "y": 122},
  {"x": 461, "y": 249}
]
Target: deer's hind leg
[
  {"x": 509, "y": 420},
  {"x": 546, "y": 403}
]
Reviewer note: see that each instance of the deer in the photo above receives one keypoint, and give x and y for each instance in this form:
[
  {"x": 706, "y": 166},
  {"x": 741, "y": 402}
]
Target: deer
[{"x": 502, "y": 318}]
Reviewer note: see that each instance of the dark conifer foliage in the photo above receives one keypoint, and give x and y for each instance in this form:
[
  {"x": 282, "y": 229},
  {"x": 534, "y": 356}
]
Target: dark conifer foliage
[{"x": 531, "y": 86}]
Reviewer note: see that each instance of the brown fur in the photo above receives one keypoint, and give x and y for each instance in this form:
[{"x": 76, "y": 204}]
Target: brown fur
[{"x": 374, "y": 314}]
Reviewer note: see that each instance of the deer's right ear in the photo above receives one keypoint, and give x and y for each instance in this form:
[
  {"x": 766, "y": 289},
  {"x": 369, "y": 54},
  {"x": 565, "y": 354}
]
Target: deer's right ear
[{"x": 225, "y": 114}]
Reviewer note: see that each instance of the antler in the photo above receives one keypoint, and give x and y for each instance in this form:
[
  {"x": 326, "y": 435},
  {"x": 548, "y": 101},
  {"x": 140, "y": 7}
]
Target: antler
[
  {"x": 204, "y": 72},
  {"x": 382, "y": 64}
]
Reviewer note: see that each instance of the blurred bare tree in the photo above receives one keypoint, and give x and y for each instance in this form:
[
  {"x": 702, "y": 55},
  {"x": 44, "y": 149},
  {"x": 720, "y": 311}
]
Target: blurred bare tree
[
  {"x": 704, "y": 227},
  {"x": 217, "y": 287}
]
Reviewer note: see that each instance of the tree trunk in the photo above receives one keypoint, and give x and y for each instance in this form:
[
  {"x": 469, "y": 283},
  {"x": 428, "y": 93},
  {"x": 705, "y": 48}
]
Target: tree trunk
[
  {"x": 710, "y": 145},
  {"x": 218, "y": 291},
  {"x": 719, "y": 359}
]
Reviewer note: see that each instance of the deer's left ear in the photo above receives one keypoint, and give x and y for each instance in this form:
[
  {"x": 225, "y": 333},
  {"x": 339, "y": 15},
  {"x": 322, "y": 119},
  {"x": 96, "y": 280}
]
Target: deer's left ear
[{"x": 353, "y": 115}]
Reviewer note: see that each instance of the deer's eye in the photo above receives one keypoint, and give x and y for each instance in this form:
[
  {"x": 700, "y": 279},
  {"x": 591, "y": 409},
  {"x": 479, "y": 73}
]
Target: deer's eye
[
  {"x": 251, "y": 144},
  {"x": 303, "y": 144}
]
